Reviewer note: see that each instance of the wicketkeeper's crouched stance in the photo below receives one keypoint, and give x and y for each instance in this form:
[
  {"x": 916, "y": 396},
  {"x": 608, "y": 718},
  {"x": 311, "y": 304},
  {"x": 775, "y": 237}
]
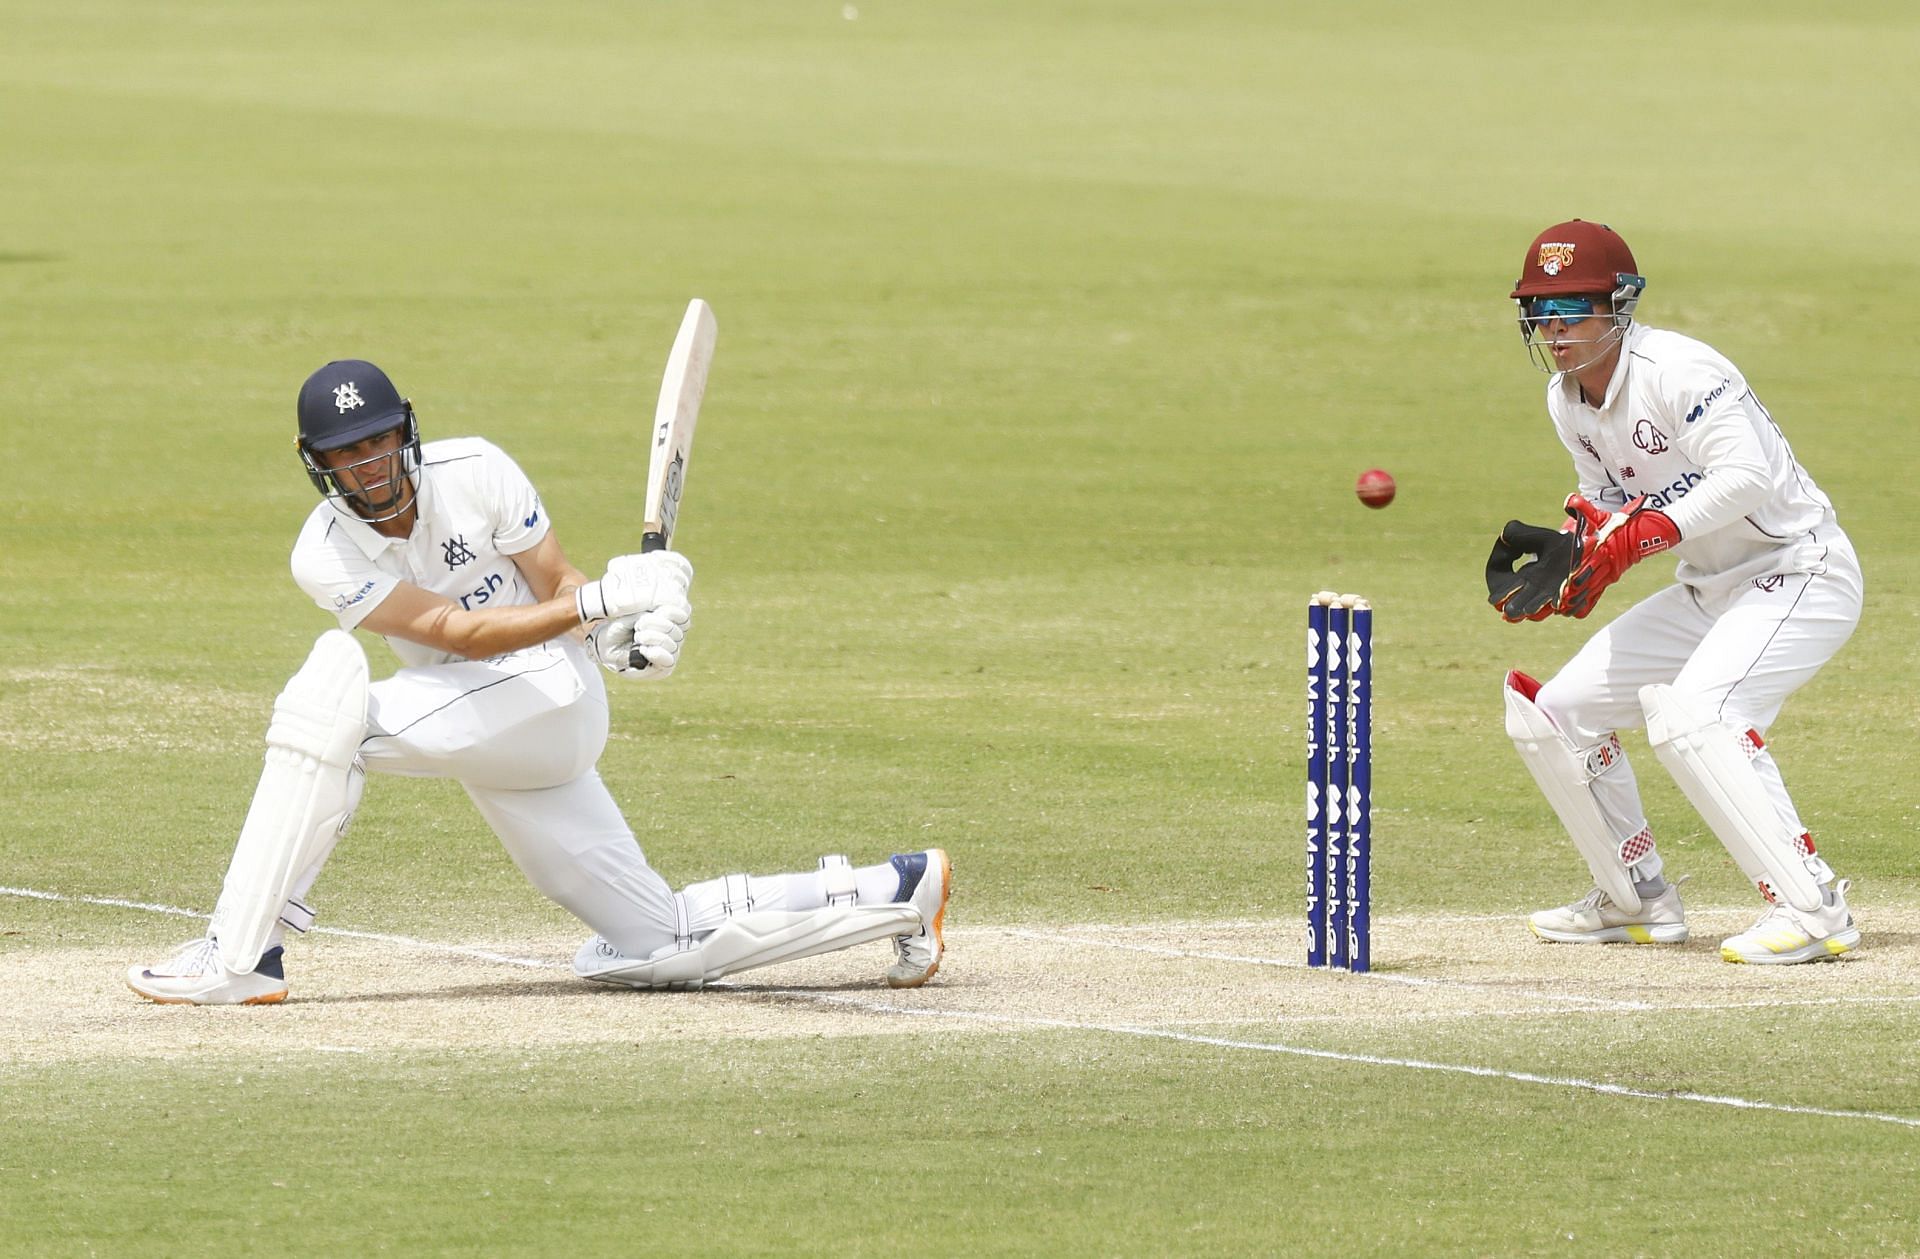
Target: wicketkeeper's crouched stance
[
  {"x": 446, "y": 551},
  {"x": 1672, "y": 451}
]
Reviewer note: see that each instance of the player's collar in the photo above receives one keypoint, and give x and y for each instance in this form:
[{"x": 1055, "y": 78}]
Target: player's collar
[
  {"x": 1618, "y": 381},
  {"x": 371, "y": 541},
  {"x": 1570, "y": 387}
]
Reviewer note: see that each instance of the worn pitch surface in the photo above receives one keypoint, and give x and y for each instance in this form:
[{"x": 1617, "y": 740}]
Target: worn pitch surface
[{"x": 1433, "y": 975}]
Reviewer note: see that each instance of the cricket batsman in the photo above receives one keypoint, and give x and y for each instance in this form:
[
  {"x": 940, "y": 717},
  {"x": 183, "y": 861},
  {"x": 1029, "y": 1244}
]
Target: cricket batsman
[
  {"x": 446, "y": 551},
  {"x": 1673, "y": 452}
]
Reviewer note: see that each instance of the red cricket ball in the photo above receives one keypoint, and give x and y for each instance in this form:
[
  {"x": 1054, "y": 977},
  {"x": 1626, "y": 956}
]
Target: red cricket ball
[{"x": 1375, "y": 487}]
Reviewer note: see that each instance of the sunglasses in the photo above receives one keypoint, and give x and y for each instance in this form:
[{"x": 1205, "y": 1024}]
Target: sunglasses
[{"x": 1569, "y": 310}]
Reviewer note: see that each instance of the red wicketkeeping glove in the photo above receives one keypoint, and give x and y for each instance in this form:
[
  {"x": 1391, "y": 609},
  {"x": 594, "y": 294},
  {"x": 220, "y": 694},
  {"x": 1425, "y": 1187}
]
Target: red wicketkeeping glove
[{"x": 1610, "y": 544}]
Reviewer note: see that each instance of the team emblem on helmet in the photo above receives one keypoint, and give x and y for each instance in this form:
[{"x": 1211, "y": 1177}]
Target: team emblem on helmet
[
  {"x": 346, "y": 397},
  {"x": 1555, "y": 256}
]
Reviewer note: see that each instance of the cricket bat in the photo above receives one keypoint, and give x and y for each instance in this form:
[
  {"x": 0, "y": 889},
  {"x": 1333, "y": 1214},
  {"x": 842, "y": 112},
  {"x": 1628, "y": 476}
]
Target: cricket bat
[
  {"x": 674, "y": 416},
  {"x": 681, "y": 390}
]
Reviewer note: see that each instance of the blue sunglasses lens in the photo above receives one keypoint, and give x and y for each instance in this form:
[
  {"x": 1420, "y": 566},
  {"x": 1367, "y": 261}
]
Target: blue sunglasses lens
[{"x": 1569, "y": 309}]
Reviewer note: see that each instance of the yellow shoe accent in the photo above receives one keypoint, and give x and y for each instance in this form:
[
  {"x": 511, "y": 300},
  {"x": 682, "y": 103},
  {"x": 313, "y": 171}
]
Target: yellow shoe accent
[
  {"x": 1639, "y": 934},
  {"x": 1730, "y": 955},
  {"x": 1835, "y": 947}
]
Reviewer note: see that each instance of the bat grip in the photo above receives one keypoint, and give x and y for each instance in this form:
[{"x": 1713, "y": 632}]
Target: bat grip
[{"x": 651, "y": 540}]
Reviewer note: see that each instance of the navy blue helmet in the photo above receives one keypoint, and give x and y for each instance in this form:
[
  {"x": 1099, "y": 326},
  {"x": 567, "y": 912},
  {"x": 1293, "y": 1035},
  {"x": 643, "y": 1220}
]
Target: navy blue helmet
[{"x": 348, "y": 401}]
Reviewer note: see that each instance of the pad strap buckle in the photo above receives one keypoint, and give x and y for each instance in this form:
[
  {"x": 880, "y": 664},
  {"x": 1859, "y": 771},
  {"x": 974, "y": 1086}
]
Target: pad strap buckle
[{"x": 836, "y": 875}]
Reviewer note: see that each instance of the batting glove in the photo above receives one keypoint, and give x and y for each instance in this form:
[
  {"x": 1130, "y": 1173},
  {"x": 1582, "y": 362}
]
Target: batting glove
[
  {"x": 634, "y": 584},
  {"x": 657, "y": 637}
]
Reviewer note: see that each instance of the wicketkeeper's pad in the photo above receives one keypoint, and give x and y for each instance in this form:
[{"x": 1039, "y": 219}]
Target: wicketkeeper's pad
[
  {"x": 1712, "y": 762},
  {"x": 1565, "y": 775}
]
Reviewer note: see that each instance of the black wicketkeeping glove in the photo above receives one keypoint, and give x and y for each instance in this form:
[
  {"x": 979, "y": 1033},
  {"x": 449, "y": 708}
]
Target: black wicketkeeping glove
[{"x": 1532, "y": 592}]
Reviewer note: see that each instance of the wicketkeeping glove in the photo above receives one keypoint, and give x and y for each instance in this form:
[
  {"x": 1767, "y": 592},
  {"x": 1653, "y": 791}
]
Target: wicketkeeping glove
[
  {"x": 1610, "y": 544},
  {"x": 1531, "y": 592}
]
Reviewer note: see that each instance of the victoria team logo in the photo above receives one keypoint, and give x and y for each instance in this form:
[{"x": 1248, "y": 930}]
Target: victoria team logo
[
  {"x": 1649, "y": 438},
  {"x": 458, "y": 552},
  {"x": 1555, "y": 256},
  {"x": 346, "y": 397}
]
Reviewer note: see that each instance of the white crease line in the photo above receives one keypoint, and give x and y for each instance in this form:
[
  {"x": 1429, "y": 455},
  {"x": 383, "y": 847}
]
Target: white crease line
[
  {"x": 484, "y": 955},
  {"x": 1370, "y": 976},
  {"x": 32, "y": 894},
  {"x": 1333, "y": 1055},
  {"x": 1521, "y": 1012}
]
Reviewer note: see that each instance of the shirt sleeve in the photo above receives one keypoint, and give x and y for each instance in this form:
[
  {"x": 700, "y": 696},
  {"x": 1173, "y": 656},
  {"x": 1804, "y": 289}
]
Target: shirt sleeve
[
  {"x": 1716, "y": 428},
  {"x": 339, "y": 577},
  {"x": 520, "y": 518}
]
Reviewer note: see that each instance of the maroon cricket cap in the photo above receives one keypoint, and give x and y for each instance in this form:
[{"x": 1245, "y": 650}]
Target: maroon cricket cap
[{"x": 1575, "y": 257}]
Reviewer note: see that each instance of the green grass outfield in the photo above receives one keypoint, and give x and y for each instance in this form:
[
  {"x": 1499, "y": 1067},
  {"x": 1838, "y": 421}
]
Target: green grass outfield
[{"x": 1052, "y": 338}]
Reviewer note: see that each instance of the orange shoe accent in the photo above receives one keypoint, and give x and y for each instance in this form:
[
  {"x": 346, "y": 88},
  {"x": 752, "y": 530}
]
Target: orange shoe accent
[
  {"x": 946, "y": 890},
  {"x": 939, "y": 921},
  {"x": 272, "y": 998}
]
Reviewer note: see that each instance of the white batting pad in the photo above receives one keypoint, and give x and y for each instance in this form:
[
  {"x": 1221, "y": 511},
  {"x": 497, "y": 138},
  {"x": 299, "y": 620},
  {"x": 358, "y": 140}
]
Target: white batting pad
[
  {"x": 1713, "y": 765},
  {"x": 1565, "y": 776},
  {"x": 304, "y": 799},
  {"x": 761, "y": 938}
]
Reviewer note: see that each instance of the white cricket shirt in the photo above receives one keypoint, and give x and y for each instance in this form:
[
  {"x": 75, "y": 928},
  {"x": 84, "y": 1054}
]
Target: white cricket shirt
[
  {"x": 1680, "y": 425},
  {"x": 476, "y": 511}
]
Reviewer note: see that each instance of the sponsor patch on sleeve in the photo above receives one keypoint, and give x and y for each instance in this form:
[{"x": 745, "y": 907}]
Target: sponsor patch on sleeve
[
  {"x": 1713, "y": 396},
  {"x": 343, "y": 602}
]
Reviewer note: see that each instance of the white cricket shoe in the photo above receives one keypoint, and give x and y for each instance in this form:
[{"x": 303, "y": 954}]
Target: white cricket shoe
[
  {"x": 1595, "y": 919},
  {"x": 926, "y": 880},
  {"x": 194, "y": 976},
  {"x": 1785, "y": 934}
]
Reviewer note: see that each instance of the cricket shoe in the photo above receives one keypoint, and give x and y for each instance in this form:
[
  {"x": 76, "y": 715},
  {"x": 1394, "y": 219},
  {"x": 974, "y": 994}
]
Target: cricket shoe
[
  {"x": 1596, "y": 919},
  {"x": 1785, "y": 934},
  {"x": 926, "y": 880},
  {"x": 194, "y": 976}
]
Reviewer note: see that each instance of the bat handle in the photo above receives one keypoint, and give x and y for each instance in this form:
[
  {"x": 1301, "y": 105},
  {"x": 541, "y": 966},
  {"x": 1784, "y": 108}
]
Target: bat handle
[{"x": 651, "y": 540}]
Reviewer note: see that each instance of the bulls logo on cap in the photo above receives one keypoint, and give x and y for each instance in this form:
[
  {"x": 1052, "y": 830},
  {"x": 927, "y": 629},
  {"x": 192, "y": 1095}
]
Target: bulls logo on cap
[{"x": 1555, "y": 256}]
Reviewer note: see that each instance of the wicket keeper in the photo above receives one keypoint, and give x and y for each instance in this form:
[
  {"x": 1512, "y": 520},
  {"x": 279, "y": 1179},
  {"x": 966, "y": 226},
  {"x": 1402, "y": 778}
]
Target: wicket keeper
[{"x": 1673, "y": 451}]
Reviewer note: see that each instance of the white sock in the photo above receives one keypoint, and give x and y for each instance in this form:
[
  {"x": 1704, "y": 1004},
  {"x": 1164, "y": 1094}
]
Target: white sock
[{"x": 876, "y": 885}]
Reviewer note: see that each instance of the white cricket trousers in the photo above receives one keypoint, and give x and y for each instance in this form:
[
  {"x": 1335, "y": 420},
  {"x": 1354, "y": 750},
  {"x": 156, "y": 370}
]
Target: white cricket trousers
[
  {"x": 1743, "y": 651},
  {"x": 522, "y": 733}
]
